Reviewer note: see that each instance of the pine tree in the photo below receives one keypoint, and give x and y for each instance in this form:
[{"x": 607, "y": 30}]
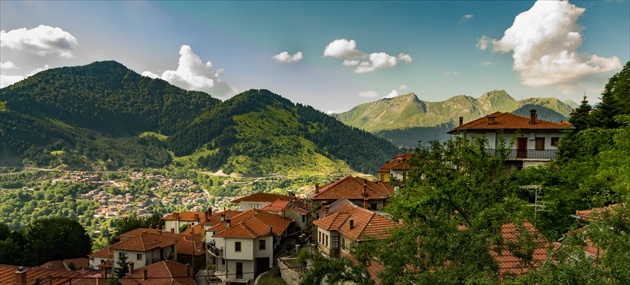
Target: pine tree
[{"x": 121, "y": 269}]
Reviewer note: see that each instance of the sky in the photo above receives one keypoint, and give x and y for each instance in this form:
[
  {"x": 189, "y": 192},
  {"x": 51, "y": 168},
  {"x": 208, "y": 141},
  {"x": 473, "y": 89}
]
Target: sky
[{"x": 332, "y": 55}]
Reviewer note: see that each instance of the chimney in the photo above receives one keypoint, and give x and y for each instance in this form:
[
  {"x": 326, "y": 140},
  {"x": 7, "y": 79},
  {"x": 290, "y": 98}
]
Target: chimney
[
  {"x": 351, "y": 224},
  {"x": 187, "y": 269},
  {"x": 20, "y": 276},
  {"x": 131, "y": 268},
  {"x": 196, "y": 217},
  {"x": 316, "y": 188},
  {"x": 364, "y": 191},
  {"x": 271, "y": 230},
  {"x": 228, "y": 223},
  {"x": 173, "y": 230},
  {"x": 103, "y": 270},
  {"x": 491, "y": 120},
  {"x": 222, "y": 217},
  {"x": 283, "y": 214},
  {"x": 208, "y": 214},
  {"x": 176, "y": 216},
  {"x": 144, "y": 274},
  {"x": 326, "y": 210},
  {"x": 532, "y": 116},
  {"x": 461, "y": 121}
]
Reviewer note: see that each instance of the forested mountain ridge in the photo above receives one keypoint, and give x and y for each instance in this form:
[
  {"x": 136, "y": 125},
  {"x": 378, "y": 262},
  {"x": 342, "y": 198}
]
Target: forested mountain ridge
[
  {"x": 408, "y": 111},
  {"x": 290, "y": 136},
  {"x": 105, "y": 116}
]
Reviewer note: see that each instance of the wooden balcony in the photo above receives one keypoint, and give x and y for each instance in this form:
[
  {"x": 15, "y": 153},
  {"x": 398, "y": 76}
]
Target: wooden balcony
[{"x": 548, "y": 154}]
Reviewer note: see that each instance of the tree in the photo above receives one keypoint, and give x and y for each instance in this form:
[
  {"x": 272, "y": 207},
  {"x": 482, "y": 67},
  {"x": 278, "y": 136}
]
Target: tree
[
  {"x": 615, "y": 99},
  {"x": 56, "y": 238},
  {"x": 333, "y": 271},
  {"x": 121, "y": 269}
]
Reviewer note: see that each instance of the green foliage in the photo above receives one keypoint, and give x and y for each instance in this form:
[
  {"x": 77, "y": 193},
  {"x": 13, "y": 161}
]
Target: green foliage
[
  {"x": 121, "y": 269},
  {"x": 332, "y": 271},
  {"x": 129, "y": 223},
  {"x": 615, "y": 100},
  {"x": 410, "y": 137}
]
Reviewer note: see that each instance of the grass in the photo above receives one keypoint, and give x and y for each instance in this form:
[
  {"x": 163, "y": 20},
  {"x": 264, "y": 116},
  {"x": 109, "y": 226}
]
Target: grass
[
  {"x": 58, "y": 152},
  {"x": 272, "y": 277},
  {"x": 158, "y": 136},
  {"x": 3, "y": 106}
]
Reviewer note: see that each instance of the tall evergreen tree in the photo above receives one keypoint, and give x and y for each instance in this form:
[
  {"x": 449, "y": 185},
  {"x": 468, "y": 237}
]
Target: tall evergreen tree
[
  {"x": 121, "y": 269},
  {"x": 615, "y": 100}
]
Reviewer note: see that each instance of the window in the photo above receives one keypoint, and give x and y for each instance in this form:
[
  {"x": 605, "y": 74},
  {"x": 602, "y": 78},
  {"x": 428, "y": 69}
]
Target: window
[
  {"x": 261, "y": 244},
  {"x": 303, "y": 218},
  {"x": 239, "y": 270},
  {"x": 540, "y": 143},
  {"x": 335, "y": 242},
  {"x": 139, "y": 256},
  {"x": 326, "y": 238},
  {"x": 237, "y": 246},
  {"x": 554, "y": 141},
  {"x": 120, "y": 254}
]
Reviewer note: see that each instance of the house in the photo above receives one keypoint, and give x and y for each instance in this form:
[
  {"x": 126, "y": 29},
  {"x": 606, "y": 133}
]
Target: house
[
  {"x": 396, "y": 169},
  {"x": 509, "y": 262},
  {"x": 360, "y": 191},
  {"x": 218, "y": 217},
  {"x": 146, "y": 248},
  {"x": 536, "y": 140},
  {"x": 242, "y": 247},
  {"x": 175, "y": 221},
  {"x": 102, "y": 256},
  {"x": 298, "y": 210},
  {"x": 14, "y": 275},
  {"x": 191, "y": 249},
  {"x": 348, "y": 224},
  {"x": 166, "y": 272},
  {"x": 67, "y": 264},
  {"x": 259, "y": 200}
]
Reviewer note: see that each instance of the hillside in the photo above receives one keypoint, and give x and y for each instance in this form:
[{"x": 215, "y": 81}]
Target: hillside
[
  {"x": 408, "y": 111},
  {"x": 264, "y": 133},
  {"x": 105, "y": 116}
]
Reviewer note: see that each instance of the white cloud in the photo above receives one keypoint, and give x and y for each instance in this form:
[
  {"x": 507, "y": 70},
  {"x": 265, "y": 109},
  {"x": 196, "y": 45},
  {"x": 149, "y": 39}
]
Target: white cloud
[
  {"x": 403, "y": 87},
  {"x": 287, "y": 58},
  {"x": 451, "y": 73},
  {"x": 6, "y": 80},
  {"x": 368, "y": 94},
  {"x": 193, "y": 74},
  {"x": 42, "y": 40},
  {"x": 8, "y": 65},
  {"x": 392, "y": 94},
  {"x": 39, "y": 69},
  {"x": 544, "y": 41},
  {"x": 486, "y": 63},
  {"x": 363, "y": 62},
  {"x": 467, "y": 17},
  {"x": 342, "y": 48}
]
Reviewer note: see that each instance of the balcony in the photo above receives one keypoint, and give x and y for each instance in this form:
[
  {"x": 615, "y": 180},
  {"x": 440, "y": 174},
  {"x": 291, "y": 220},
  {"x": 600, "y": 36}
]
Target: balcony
[{"x": 548, "y": 154}]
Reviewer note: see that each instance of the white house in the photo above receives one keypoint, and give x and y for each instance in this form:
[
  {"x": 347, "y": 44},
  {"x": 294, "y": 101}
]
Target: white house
[
  {"x": 175, "y": 221},
  {"x": 241, "y": 248},
  {"x": 536, "y": 140},
  {"x": 260, "y": 200},
  {"x": 145, "y": 249}
]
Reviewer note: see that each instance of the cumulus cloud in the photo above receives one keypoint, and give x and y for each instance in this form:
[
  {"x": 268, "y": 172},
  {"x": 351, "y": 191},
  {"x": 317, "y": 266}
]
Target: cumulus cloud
[
  {"x": 544, "y": 41},
  {"x": 287, "y": 58},
  {"x": 8, "y": 65},
  {"x": 368, "y": 94},
  {"x": 193, "y": 74},
  {"x": 403, "y": 87},
  {"x": 42, "y": 40},
  {"x": 392, "y": 94},
  {"x": 361, "y": 61},
  {"x": 467, "y": 17},
  {"x": 6, "y": 80}
]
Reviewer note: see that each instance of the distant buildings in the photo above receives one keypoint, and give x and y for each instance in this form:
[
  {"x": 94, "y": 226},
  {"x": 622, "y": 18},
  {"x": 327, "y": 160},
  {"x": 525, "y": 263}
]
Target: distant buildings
[{"x": 360, "y": 191}]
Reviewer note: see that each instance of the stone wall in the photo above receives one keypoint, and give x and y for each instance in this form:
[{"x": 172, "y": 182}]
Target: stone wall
[{"x": 289, "y": 269}]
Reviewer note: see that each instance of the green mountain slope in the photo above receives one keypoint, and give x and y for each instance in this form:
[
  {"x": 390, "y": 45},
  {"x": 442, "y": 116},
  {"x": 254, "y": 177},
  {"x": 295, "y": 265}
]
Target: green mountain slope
[
  {"x": 260, "y": 132},
  {"x": 408, "y": 111},
  {"x": 105, "y": 116}
]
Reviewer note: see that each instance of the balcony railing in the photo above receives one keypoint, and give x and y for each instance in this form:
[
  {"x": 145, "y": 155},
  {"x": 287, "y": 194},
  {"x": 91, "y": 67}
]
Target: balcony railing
[{"x": 528, "y": 154}]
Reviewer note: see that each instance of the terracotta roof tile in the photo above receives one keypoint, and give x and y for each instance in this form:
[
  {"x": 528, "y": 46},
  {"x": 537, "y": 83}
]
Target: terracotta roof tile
[
  {"x": 138, "y": 231},
  {"x": 197, "y": 229},
  {"x": 264, "y": 197},
  {"x": 251, "y": 224},
  {"x": 586, "y": 214},
  {"x": 185, "y": 246},
  {"x": 145, "y": 242},
  {"x": 505, "y": 121},
  {"x": 103, "y": 253},
  {"x": 351, "y": 187},
  {"x": 366, "y": 224},
  {"x": 508, "y": 262},
  {"x": 186, "y": 216},
  {"x": 64, "y": 264},
  {"x": 215, "y": 218},
  {"x": 399, "y": 162},
  {"x": 7, "y": 275},
  {"x": 166, "y": 272}
]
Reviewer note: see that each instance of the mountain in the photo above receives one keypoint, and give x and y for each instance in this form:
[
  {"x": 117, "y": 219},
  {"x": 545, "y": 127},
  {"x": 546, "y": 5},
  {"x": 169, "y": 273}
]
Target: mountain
[
  {"x": 571, "y": 103},
  {"x": 404, "y": 120},
  {"x": 262, "y": 132},
  {"x": 105, "y": 116}
]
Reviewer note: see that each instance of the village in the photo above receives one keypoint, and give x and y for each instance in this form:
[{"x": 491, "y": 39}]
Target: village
[{"x": 214, "y": 244}]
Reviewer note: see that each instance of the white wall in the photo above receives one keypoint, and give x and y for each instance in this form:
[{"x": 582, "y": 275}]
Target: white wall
[
  {"x": 132, "y": 256},
  {"x": 247, "y": 249},
  {"x": 493, "y": 138},
  {"x": 244, "y": 206}
]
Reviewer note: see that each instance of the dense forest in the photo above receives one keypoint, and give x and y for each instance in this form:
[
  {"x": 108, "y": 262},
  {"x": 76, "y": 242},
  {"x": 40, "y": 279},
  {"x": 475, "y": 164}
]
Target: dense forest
[
  {"x": 409, "y": 138},
  {"x": 459, "y": 192},
  {"x": 103, "y": 116}
]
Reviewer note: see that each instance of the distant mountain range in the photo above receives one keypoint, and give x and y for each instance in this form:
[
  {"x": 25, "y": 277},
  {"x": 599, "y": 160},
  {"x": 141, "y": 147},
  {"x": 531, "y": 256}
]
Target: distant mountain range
[
  {"x": 405, "y": 119},
  {"x": 105, "y": 116}
]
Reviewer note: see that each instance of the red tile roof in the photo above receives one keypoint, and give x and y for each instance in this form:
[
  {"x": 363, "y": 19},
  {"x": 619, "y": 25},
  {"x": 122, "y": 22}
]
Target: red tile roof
[
  {"x": 145, "y": 242},
  {"x": 186, "y": 216},
  {"x": 166, "y": 272},
  {"x": 185, "y": 246},
  {"x": 509, "y": 121},
  {"x": 64, "y": 264},
  {"x": 251, "y": 224},
  {"x": 366, "y": 224},
  {"x": 136, "y": 232},
  {"x": 216, "y": 217},
  {"x": 198, "y": 229},
  {"x": 398, "y": 163},
  {"x": 508, "y": 262},
  {"x": 279, "y": 205},
  {"x": 60, "y": 277},
  {"x": 264, "y": 197},
  {"x": 586, "y": 214},
  {"x": 103, "y": 253},
  {"x": 351, "y": 187}
]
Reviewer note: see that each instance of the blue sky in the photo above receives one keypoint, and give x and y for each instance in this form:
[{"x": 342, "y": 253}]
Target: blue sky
[{"x": 331, "y": 55}]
